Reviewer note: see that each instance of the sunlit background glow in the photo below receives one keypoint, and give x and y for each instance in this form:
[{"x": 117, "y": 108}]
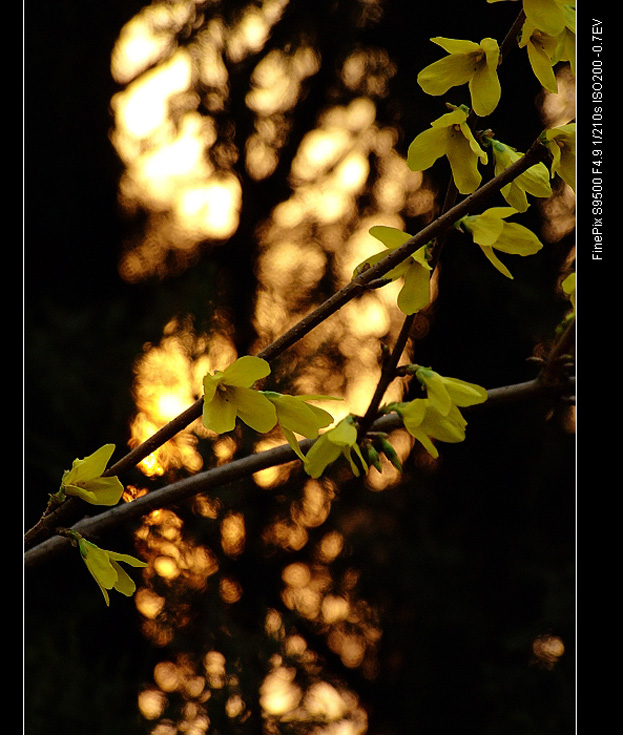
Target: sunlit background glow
[{"x": 184, "y": 173}]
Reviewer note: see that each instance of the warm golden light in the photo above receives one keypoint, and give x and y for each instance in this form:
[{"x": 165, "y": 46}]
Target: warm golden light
[
  {"x": 279, "y": 694},
  {"x": 214, "y": 666},
  {"x": 251, "y": 32},
  {"x": 334, "y": 608},
  {"x": 271, "y": 476},
  {"x": 184, "y": 160},
  {"x": 313, "y": 509},
  {"x": 211, "y": 208},
  {"x": 167, "y": 676},
  {"x": 331, "y": 546},
  {"x": 276, "y": 82},
  {"x": 230, "y": 590},
  {"x": 141, "y": 109},
  {"x": 547, "y": 649},
  {"x": 151, "y": 703},
  {"x": 558, "y": 108},
  {"x": 148, "y": 603},
  {"x": 233, "y": 534},
  {"x": 168, "y": 380},
  {"x": 131, "y": 493}
]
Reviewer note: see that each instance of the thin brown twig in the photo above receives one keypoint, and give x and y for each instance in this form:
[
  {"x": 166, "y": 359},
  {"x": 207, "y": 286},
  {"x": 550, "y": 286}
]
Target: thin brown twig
[{"x": 388, "y": 373}]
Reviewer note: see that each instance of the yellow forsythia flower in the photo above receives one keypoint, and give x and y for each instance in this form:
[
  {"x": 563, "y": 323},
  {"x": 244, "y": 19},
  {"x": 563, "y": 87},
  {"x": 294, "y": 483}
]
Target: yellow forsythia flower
[
  {"x": 296, "y": 416},
  {"x": 549, "y": 16},
  {"x": 548, "y": 34},
  {"x": 228, "y": 395},
  {"x": 105, "y": 568},
  {"x": 451, "y": 136},
  {"x": 534, "y": 181},
  {"x": 443, "y": 392},
  {"x": 415, "y": 270},
  {"x": 84, "y": 479},
  {"x": 566, "y": 39},
  {"x": 467, "y": 63},
  {"x": 425, "y": 423},
  {"x": 561, "y": 144},
  {"x": 490, "y": 231},
  {"x": 542, "y": 54},
  {"x": 341, "y": 440}
]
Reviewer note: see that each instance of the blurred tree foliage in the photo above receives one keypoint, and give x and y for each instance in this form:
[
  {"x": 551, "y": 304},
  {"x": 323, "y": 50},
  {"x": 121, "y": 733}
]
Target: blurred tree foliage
[{"x": 454, "y": 572}]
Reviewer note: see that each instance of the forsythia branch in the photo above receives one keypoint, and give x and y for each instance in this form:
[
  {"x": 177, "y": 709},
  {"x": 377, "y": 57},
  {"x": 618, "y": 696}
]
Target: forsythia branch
[
  {"x": 360, "y": 283},
  {"x": 241, "y": 468}
]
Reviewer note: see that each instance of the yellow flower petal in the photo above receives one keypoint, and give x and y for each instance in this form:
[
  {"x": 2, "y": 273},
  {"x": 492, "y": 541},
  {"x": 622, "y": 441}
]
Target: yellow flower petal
[
  {"x": 294, "y": 414},
  {"x": 451, "y": 71},
  {"x": 219, "y": 414},
  {"x": 495, "y": 261},
  {"x": 124, "y": 583},
  {"x": 391, "y": 237},
  {"x": 449, "y": 428},
  {"x": 444, "y": 392},
  {"x": 104, "y": 567},
  {"x": 210, "y": 385},
  {"x": 245, "y": 371},
  {"x": 484, "y": 86},
  {"x": 542, "y": 63},
  {"x": 467, "y": 62},
  {"x": 347, "y": 452},
  {"x": 451, "y": 136},
  {"x": 84, "y": 479},
  {"x": 487, "y": 227},
  {"x": 98, "y": 491},
  {"x": 568, "y": 286},
  {"x": 546, "y": 15},
  {"x": 98, "y": 563},
  {"x": 463, "y": 393},
  {"x": 490, "y": 231},
  {"x": 427, "y": 147},
  {"x": 127, "y": 559},
  {"x": 435, "y": 389},
  {"x": 412, "y": 415},
  {"x": 89, "y": 467},
  {"x": 415, "y": 292},
  {"x": 293, "y": 442},
  {"x": 344, "y": 434},
  {"x": 412, "y": 412},
  {"x": 341, "y": 440},
  {"x": 321, "y": 454},
  {"x": 456, "y": 45},
  {"x": 517, "y": 240},
  {"x": 254, "y": 409},
  {"x": 534, "y": 181},
  {"x": 463, "y": 162}
]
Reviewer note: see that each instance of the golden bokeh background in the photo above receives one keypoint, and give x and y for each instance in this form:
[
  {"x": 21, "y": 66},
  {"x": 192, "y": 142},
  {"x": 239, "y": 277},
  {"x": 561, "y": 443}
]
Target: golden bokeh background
[{"x": 185, "y": 168}]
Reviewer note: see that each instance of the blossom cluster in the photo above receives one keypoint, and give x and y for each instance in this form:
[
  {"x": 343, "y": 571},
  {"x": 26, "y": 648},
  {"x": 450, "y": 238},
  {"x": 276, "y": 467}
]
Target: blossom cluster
[
  {"x": 548, "y": 33},
  {"x": 229, "y": 394},
  {"x": 437, "y": 416}
]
